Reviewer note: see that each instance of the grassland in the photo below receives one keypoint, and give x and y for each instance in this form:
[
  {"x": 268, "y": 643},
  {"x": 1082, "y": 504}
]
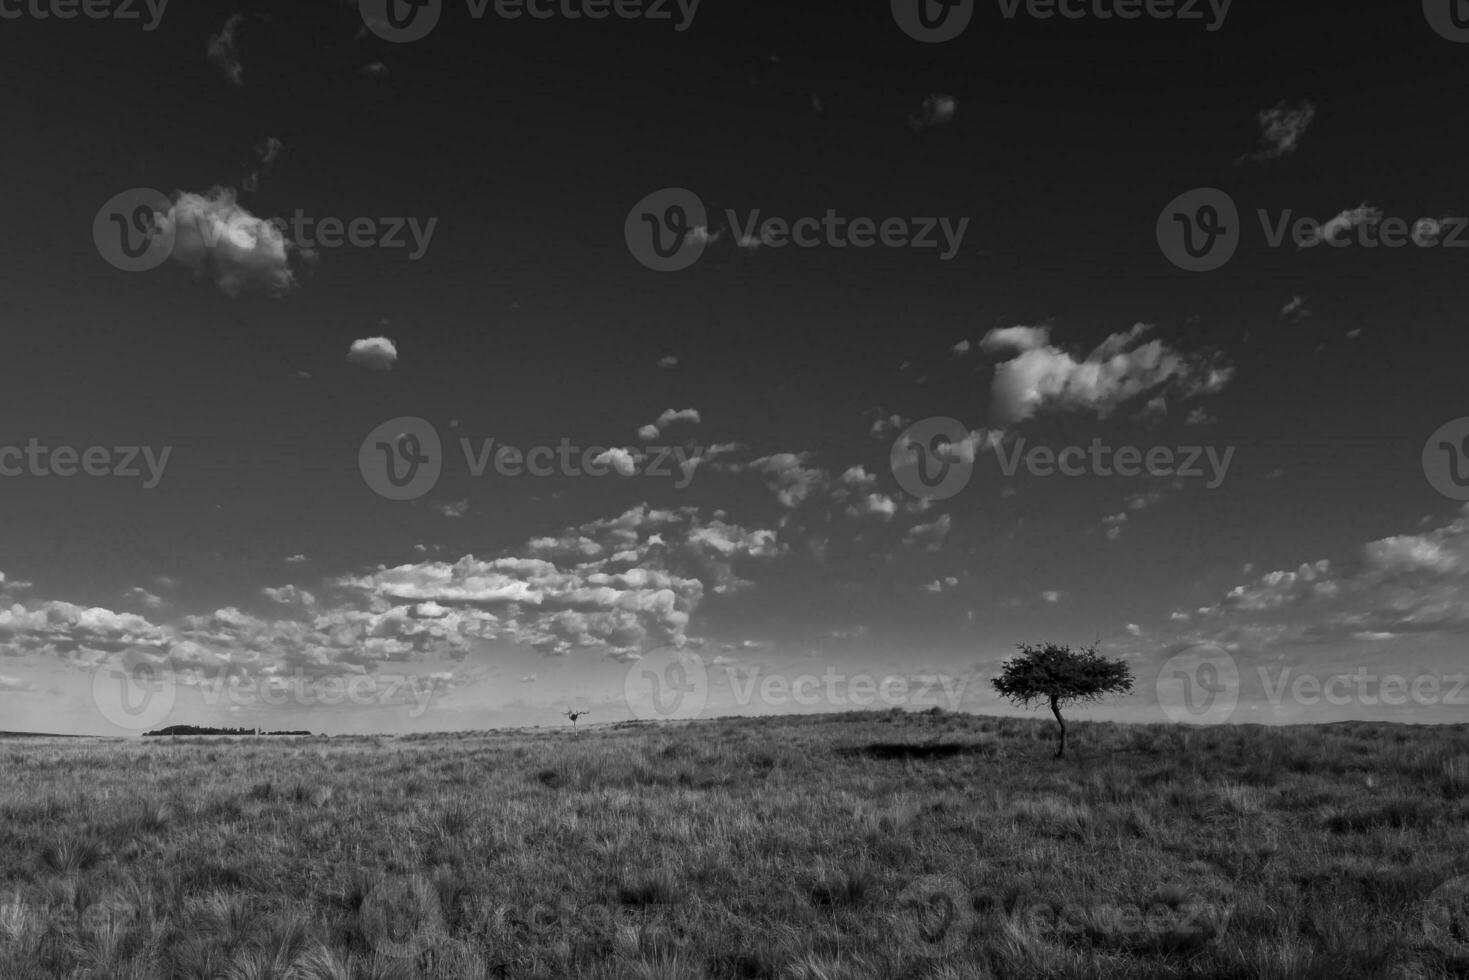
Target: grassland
[{"x": 819, "y": 848}]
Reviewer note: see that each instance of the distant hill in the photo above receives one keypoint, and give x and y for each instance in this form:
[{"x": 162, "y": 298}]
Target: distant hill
[
  {"x": 40, "y": 735},
  {"x": 197, "y": 730}
]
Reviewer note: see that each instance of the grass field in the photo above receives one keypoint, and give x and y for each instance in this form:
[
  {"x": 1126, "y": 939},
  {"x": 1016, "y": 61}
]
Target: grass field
[{"x": 820, "y": 848}]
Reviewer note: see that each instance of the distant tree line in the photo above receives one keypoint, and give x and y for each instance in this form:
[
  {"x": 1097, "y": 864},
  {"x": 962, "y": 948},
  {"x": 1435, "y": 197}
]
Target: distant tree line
[{"x": 197, "y": 730}]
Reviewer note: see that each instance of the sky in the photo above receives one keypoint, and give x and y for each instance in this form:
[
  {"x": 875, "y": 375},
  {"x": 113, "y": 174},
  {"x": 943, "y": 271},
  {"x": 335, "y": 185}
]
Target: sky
[{"x": 826, "y": 355}]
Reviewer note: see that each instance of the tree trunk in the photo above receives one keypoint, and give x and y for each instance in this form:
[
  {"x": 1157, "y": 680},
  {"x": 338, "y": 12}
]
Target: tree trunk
[{"x": 1056, "y": 710}]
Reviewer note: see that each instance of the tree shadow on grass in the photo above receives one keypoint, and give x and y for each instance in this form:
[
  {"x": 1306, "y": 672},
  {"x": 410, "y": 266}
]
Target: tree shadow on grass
[{"x": 904, "y": 750}]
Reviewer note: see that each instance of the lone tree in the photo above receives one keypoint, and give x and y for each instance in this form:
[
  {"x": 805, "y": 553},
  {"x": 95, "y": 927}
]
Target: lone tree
[
  {"x": 1055, "y": 673},
  {"x": 574, "y": 715}
]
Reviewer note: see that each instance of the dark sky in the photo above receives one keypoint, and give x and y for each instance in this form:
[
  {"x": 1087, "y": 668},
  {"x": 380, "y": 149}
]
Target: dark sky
[{"x": 794, "y": 547}]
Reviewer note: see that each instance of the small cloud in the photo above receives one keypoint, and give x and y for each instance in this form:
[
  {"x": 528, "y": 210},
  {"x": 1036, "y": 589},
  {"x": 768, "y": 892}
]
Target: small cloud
[
  {"x": 456, "y": 509},
  {"x": 1281, "y": 129},
  {"x": 1113, "y": 524},
  {"x": 668, "y": 361},
  {"x": 1052, "y": 597},
  {"x": 16, "y": 685},
  {"x": 295, "y": 559},
  {"x": 373, "y": 353},
  {"x": 140, "y": 595},
  {"x": 1295, "y": 310},
  {"x": 224, "y": 51},
  {"x": 938, "y": 110}
]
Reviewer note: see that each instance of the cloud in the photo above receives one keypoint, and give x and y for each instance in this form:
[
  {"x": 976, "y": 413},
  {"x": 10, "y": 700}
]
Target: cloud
[
  {"x": 290, "y": 595},
  {"x": 938, "y": 110},
  {"x": 1113, "y": 523},
  {"x": 1398, "y": 586},
  {"x": 1042, "y": 377},
  {"x": 373, "y": 353},
  {"x": 454, "y": 509},
  {"x": 1295, "y": 310},
  {"x": 1052, "y": 597},
  {"x": 668, "y": 361},
  {"x": 1346, "y": 221},
  {"x": 223, "y": 50},
  {"x": 788, "y": 475},
  {"x": 141, "y": 595},
  {"x": 15, "y": 685},
  {"x": 266, "y": 151},
  {"x": 667, "y": 419},
  {"x": 1018, "y": 339},
  {"x": 623, "y": 462},
  {"x": 214, "y": 235},
  {"x": 876, "y": 505},
  {"x": 1281, "y": 129},
  {"x": 929, "y": 537}
]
